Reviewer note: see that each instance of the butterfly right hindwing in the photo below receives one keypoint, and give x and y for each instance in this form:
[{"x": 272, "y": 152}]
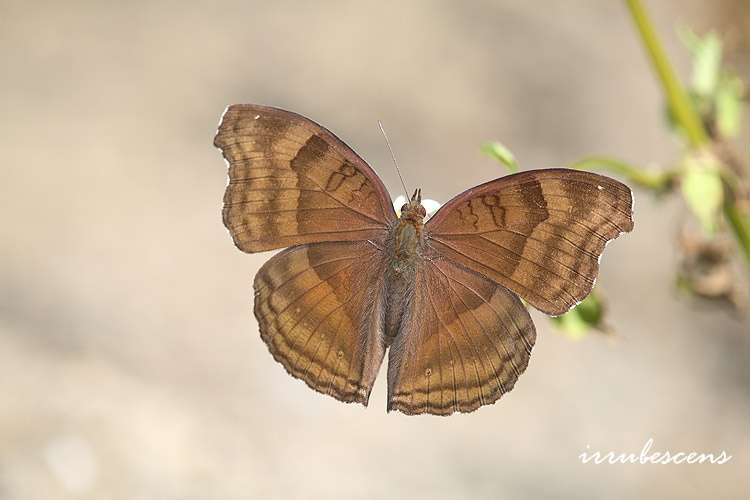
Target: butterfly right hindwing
[{"x": 463, "y": 343}]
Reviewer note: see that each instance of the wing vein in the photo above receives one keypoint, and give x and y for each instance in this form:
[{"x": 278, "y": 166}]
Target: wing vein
[
  {"x": 442, "y": 322},
  {"x": 481, "y": 326}
]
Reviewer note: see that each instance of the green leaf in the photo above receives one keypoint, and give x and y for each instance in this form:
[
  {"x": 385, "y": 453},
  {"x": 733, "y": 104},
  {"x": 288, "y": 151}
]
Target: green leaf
[
  {"x": 706, "y": 51},
  {"x": 499, "y": 152},
  {"x": 706, "y": 65},
  {"x": 657, "y": 181},
  {"x": 729, "y": 106},
  {"x": 688, "y": 38},
  {"x": 703, "y": 190},
  {"x": 586, "y": 316}
]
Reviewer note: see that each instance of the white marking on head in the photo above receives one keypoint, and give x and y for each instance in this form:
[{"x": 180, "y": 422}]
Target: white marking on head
[
  {"x": 430, "y": 206},
  {"x": 398, "y": 203}
]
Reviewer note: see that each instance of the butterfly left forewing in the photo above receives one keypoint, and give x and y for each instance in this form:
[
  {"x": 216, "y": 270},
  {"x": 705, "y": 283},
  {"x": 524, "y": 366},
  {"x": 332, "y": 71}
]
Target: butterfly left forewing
[
  {"x": 291, "y": 182},
  {"x": 538, "y": 233},
  {"x": 463, "y": 343}
]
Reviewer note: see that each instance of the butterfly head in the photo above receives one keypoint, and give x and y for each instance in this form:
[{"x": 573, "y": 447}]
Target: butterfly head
[{"x": 413, "y": 210}]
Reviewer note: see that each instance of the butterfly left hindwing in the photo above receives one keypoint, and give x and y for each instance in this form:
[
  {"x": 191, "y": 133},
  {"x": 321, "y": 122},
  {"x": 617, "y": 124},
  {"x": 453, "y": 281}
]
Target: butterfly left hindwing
[{"x": 320, "y": 308}]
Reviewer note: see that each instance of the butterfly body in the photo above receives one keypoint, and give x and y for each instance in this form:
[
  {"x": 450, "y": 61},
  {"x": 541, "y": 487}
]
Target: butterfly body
[
  {"x": 404, "y": 250},
  {"x": 408, "y": 232},
  {"x": 440, "y": 298}
]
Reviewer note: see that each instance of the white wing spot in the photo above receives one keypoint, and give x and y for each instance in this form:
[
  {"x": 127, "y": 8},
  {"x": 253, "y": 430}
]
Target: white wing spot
[{"x": 256, "y": 117}]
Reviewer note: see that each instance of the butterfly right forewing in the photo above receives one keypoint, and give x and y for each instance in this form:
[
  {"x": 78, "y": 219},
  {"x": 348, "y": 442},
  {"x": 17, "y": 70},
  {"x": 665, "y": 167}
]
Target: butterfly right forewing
[{"x": 538, "y": 233}]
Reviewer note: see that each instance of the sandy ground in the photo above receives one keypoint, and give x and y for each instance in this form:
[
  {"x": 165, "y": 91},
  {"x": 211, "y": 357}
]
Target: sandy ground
[{"x": 130, "y": 365}]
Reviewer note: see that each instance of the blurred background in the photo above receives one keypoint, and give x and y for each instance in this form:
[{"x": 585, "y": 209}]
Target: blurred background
[{"x": 130, "y": 362}]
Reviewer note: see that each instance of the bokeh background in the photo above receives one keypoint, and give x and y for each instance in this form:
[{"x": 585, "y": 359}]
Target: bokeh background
[{"x": 130, "y": 363}]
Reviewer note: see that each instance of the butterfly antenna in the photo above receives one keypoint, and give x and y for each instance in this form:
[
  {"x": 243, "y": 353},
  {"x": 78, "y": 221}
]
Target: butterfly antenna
[{"x": 398, "y": 171}]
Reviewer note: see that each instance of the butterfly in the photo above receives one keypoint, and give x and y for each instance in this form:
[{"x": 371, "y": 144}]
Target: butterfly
[{"x": 441, "y": 297}]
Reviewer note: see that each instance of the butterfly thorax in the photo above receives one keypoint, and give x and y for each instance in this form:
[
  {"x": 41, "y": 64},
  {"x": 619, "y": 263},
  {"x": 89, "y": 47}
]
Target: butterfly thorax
[{"x": 407, "y": 236}]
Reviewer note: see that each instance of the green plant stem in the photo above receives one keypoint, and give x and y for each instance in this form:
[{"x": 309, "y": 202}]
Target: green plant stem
[
  {"x": 684, "y": 113},
  {"x": 681, "y": 107},
  {"x": 740, "y": 227},
  {"x": 656, "y": 181}
]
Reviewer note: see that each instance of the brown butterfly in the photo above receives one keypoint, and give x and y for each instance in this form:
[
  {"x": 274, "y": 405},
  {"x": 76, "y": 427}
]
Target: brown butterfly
[{"x": 442, "y": 296}]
